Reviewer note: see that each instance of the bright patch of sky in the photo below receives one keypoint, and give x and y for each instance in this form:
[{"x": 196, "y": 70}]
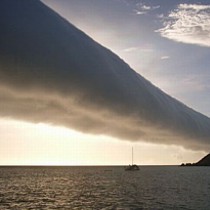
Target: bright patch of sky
[{"x": 41, "y": 144}]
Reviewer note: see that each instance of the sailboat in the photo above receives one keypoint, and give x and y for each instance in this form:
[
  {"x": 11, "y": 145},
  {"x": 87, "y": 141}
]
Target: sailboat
[{"x": 132, "y": 167}]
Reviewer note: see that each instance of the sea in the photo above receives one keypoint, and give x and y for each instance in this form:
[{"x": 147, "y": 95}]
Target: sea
[{"x": 105, "y": 187}]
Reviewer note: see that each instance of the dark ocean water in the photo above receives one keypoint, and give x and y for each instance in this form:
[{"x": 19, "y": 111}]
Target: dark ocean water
[{"x": 105, "y": 188}]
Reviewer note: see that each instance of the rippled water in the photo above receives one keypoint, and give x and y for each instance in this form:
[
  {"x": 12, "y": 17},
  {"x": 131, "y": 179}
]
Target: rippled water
[{"x": 104, "y": 188}]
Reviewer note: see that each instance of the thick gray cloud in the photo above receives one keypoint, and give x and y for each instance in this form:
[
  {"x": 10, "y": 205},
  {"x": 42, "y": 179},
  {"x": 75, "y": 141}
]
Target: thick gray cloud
[{"x": 52, "y": 72}]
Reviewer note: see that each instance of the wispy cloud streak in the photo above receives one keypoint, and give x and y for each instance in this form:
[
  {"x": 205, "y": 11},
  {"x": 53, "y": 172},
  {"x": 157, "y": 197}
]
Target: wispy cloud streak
[
  {"x": 142, "y": 9},
  {"x": 165, "y": 57}
]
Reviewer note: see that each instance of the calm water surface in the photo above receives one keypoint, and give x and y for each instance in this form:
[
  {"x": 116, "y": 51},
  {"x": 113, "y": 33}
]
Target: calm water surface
[{"x": 105, "y": 188}]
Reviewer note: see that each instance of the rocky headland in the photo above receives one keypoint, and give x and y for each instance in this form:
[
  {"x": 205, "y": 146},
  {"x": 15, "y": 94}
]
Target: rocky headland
[{"x": 205, "y": 161}]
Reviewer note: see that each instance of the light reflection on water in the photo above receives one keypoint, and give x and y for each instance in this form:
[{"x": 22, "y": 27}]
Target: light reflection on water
[{"x": 104, "y": 188}]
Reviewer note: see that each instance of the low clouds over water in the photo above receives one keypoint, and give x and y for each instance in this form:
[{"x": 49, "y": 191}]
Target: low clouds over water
[{"x": 52, "y": 72}]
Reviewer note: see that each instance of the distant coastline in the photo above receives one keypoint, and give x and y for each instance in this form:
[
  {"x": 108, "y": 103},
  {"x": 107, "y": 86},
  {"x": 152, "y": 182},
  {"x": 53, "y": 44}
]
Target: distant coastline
[{"x": 205, "y": 161}]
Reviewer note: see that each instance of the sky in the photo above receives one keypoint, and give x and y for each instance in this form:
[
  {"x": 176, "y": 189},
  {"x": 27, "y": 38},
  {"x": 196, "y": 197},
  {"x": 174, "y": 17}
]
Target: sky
[{"x": 165, "y": 42}]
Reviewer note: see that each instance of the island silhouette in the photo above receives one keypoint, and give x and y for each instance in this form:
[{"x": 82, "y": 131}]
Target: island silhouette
[{"x": 205, "y": 161}]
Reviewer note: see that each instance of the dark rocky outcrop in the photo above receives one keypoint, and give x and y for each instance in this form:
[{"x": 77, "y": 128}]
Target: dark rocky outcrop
[{"x": 205, "y": 161}]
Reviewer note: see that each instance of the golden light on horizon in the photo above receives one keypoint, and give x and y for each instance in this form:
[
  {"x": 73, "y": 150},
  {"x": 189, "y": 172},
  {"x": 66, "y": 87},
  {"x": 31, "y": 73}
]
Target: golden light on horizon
[{"x": 24, "y": 143}]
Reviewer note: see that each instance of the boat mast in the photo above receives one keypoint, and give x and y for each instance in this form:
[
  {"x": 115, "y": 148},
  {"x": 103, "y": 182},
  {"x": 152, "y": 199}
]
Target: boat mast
[{"x": 132, "y": 155}]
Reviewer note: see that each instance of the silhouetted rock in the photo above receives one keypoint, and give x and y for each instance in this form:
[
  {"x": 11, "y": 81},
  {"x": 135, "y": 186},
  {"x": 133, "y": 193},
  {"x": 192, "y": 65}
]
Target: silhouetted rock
[{"x": 205, "y": 161}]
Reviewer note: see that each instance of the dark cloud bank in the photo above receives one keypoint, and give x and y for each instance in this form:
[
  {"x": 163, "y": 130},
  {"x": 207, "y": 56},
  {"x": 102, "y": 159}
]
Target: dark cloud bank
[{"x": 52, "y": 72}]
